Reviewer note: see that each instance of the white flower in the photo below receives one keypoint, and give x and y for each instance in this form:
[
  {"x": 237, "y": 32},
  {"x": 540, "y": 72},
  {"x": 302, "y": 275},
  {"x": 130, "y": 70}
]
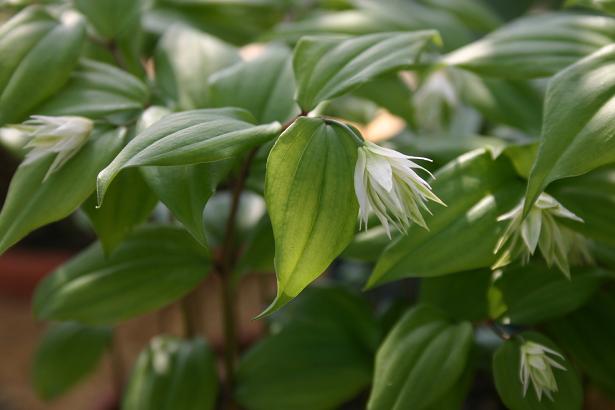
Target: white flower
[
  {"x": 537, "y": 368},
  {"x": 540, "y": 229},
  {"x": 385, "y": 183},
  {"x": 63, "y": 136}
]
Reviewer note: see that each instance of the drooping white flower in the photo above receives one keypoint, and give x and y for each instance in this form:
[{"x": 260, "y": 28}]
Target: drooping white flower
[
  {"x": 540, "y": 229},
  {"x": 63, "y": 136},
  {"x": 536, "y": 367},
  {"x": 387, "y": 185}
]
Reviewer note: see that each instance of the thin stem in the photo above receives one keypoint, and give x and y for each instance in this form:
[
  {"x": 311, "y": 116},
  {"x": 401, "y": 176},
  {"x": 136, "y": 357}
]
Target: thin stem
[{"x": 225, "y": 269}]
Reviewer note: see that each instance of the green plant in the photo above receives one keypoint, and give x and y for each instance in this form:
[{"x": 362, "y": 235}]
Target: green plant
[{"x": 123, "y": 104}]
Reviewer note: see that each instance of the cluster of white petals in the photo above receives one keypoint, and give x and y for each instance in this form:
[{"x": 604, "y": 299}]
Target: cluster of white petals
[
  {"x": 386, "y": 184},
  {"x": 541, "y": 229},
  {"x": 62, "y": 136},
  {"x": 536, "y": 367}
]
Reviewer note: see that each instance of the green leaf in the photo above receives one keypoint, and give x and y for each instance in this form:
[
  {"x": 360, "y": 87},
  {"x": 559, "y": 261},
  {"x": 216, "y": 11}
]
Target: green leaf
[
  {"x": 185, "y": 58},
  {"x": 99, "y": 91},
  {"x": 515, "y": 103},
  {"x": 38, "y": 56},
  {"x": 602, "y": 5},
  {"x": 535, "y": 46},
  {"x": 473, "y": 13},
  {"x": 129, "y": 203},
  {"x": 67, "y": 353},
  {"x": 477, "y": 189},
  {"x": 189, "y": 137},
  {"x": 389, "y": 91},
  {"x": 310, "y": 200},
  {"x": 33, "y": 201},
  {"x": 367, "y": 245},
  {"x": 577, "y": 127},
  {"x": 533, "y": 293},
  {"x": 587, "y": 335},
  {"x": 592, "y": 198},
  {"x": 373, "y": 16},
  {"x": 173, "y": 374},
  {"x": 461, "y": 296},
  {"x": 320, "y": 357},
  {"x": 329, "y": 67},
  {"x": 506, "y": 362},
  {"x": 110, "y": 17},
  {"x": 422, "y": 357},
  {"x": 151, "y": 268},
  {"x": 264, "y": 86}
]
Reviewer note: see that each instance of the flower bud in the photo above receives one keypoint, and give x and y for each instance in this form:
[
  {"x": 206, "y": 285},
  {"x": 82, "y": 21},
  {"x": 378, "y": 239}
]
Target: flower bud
[
  {"x": 537, "y": 368},
  {"x": 386, "y": 184},
  {"x": 540, "y": 229},
  {"x": 62, "y": 136}
]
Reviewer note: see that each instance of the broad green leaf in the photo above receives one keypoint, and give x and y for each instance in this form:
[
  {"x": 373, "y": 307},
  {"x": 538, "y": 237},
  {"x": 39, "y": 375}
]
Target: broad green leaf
[
  {"x": 110, "y": 17},
  {"x": 512, "y": 102},
  {"x": 602, "y": 5},
  {"x": 577, "y": 128},
  {"x": 311, "y": 201},
  {"x": 592, "y": 198},
  {"x": 187, "y": 138},
  {"x": 185, "y": 58},
  {"x": 173, "y": 374},
  {"x": 477, "y": 189},
  {"x": 473, "y": 13},
  {"x": 533, "y": 293},
  {"x": 320, "y": 357},
  {"x": 373, "y": 16},
  {"x": 33, "y": 202},
  {"x": 129, "y": 202},
  {"x": 462, "y": 296},
  {"x": 97, "y": 90},
  {"x": 422, "y": 357},
  {"x": 367, "y": 245},
  {"x": 506, "y": 362},
  {"x": 535, "y": 46},
  {"x": 185, "y": 190},
  {"x": 331, "y": 66},
  {"x": 264, "y": 86},
  {"x": 67, "y": 353},
  {"x": 151, "y": 268},
  {"x": 37, "y": 58},
  {"x": 587, "y": 335}
]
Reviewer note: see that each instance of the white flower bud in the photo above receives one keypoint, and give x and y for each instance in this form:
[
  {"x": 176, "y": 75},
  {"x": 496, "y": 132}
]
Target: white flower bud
[
  {"x": 536, "y": 367},
  {"x": 386, "y": 184},
  {"x": 540, "y": 229},
  {"x": 63, "y": 136}
]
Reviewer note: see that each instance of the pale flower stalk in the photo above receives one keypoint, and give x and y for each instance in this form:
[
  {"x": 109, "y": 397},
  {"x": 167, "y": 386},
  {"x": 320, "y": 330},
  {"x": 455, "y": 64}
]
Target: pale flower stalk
[
  {"x": 536, "y": 367},
  {"x": 63, "y": 136},
  {"x": 386, "y": 184},
  {"x": 541, "y": 229}
]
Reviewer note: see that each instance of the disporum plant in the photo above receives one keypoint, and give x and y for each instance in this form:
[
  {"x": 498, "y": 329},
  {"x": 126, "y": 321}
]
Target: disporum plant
[{"x": 433, "y": 183}]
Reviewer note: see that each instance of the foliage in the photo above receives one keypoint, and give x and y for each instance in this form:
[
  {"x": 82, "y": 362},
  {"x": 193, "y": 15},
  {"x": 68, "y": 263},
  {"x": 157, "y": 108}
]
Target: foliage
[{"x": 238, "y": 137}]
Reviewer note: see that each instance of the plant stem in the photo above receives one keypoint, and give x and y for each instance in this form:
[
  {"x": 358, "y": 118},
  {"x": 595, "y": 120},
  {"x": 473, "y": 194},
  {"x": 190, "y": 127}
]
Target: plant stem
[{"x": 225, "y": 269}]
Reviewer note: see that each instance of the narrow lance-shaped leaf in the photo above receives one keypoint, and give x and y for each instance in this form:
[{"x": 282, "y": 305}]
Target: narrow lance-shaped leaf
[
  {"x": 33, "y": 201},
  {"x": 189, "y": 137},
  {"x": 311, "y": 201},
  {"x": 43, "y": 69},
  {"x": 423, "y": 347},
  {"x": 331, "y": 66},
  {"x": 66, "y": 354},
  {"x": 578, "y": 129},
  {"x": 264, "y": 86},
  {"x": 535, "y": 46},
  {"x": 173, "y": 374},
  {"x": 151, "y": 268}
]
